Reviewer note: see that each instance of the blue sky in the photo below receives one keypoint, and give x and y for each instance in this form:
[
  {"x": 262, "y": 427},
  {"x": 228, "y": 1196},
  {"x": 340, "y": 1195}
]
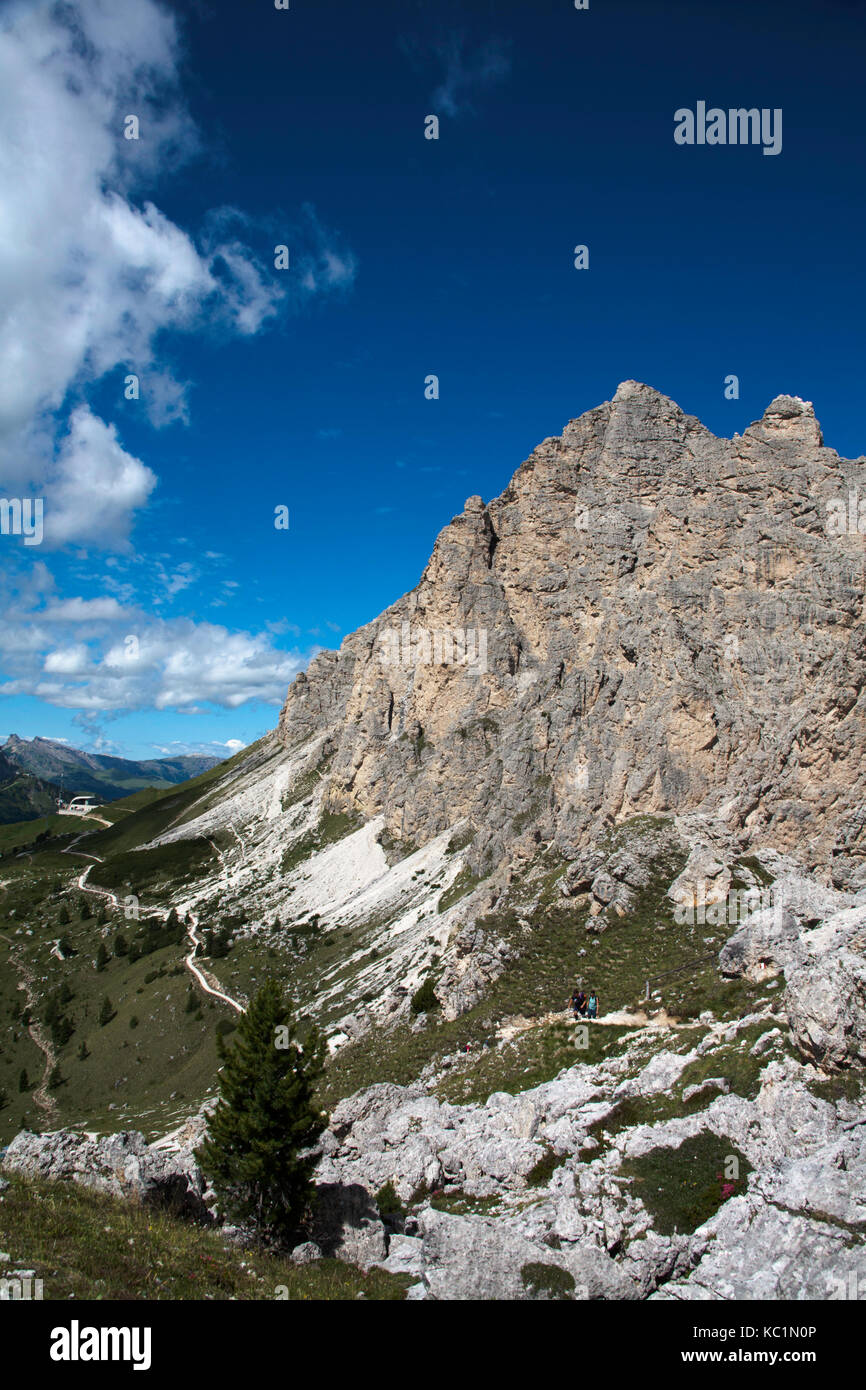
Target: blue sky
[{"x": 305, "y": 388}]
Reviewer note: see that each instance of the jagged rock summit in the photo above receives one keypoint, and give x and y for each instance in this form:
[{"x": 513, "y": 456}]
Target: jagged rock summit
[{"x": 649, "y": 619}]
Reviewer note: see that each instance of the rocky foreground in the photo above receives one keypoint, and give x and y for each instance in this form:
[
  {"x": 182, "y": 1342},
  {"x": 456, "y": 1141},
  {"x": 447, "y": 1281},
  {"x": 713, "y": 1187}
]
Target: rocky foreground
[{"x": 553, "y": 1192}]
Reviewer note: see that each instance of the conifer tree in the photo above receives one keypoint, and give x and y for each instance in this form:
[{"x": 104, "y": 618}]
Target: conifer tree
[{"x": 257, "y": 1154}]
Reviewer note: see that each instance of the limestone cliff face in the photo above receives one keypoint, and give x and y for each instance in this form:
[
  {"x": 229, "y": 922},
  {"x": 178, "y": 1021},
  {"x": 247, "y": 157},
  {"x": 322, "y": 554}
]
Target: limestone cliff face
[{"x": 656, "y": 620}]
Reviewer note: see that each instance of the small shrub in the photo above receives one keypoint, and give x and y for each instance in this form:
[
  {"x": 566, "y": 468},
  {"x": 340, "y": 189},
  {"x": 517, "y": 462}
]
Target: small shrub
[
  {"x": 540, "y": 1175},
  {"x": 388, "y": 1202},
  {"x": 547, "y": 1281}
]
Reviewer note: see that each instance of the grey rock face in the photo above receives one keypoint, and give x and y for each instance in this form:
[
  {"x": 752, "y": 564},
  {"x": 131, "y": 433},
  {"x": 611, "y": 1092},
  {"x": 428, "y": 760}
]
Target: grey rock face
[
  {"x": 825, "y": 975},
  {"x": 401, "y": 1135},
  {"x": 762, "y": 947},
  {"x": 347, "y": 1225},
  {"x": 826, "y": 1005},
  {"x": 796, "y": 1232},
  {"x": 475, "y": 1258},
  {"x": 123, "y": 1165},
  {"x": 478, "y": 960},
  {"x": 671, "y": 625}
]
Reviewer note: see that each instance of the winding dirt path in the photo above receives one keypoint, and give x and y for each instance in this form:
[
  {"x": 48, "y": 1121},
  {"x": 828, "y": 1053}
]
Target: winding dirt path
[
  {"x": 208, "y": 985},
  {"x": 41, "y": 1095},
  {"x": 513, "y": 1027}
]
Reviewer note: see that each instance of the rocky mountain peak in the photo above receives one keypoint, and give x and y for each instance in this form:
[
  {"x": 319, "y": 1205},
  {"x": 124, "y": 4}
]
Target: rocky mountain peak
[
  {"x": 788, "y": 419},
  {"x": 649, "y": 619}
]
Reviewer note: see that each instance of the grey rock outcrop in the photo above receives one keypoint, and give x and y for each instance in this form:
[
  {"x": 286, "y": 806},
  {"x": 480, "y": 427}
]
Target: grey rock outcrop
[
  {"x": 477, "y": 1258},
  {"x": 801, "y": 1218},
  {"x": 671, "y": 625},
  {"x": 825, "y": 975},
  {"x": 347, "y": 1224},
  {"x": 122, "y": 1165}
]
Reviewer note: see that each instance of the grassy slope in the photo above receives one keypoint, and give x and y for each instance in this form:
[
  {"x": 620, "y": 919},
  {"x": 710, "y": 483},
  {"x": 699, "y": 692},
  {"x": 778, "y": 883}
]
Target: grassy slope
[
  {"x": 25, "y": 797},
  {"x": 152, "y": 1074},
  {"x": 153, "y": 1063},
  {"x": 147, "y": 1073},
  {"x": 644, "y": 944},
  {"x": 23, "y": 834},
  {"x": 87, "y": 1246}
]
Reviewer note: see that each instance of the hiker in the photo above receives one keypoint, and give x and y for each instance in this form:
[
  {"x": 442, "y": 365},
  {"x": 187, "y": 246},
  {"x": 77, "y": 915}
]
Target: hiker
[
  {"x": 592, "y": 1006},
  {"x": 578, "y": 1003}
]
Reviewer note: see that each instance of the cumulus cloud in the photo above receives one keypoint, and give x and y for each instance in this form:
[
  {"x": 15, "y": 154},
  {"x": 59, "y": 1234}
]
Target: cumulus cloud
[
  {"x": 97, "y": 486},
  {"x": 97, "y": 657},
  {"x": 92, "y": 275}
]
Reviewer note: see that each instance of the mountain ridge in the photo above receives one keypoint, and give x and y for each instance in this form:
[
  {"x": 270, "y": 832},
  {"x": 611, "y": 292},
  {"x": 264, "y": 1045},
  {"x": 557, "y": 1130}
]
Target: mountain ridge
[
  {"x": 636, "y": 564},
  {"x": 107, "y": 777}
]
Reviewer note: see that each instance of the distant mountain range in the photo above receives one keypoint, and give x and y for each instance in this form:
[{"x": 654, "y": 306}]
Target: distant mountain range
[{"x": 34, "y": 771}]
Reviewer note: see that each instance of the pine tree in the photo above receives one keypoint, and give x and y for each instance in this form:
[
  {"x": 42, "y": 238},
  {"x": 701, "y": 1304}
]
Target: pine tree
[
  {"x": 102, "y": 917},
  {"x": 121, "y": 945},
  {"x": 85, "y": 911},
  {"x": 23, "y": 1081},
  {"x": 106, "y": 1012},
  {"x": 4, "y": 1098},
  {"x": 63, "y": 915},
  {"x": 258, "y": 1154},
  {"x": 101, "y": 957},
  {"x": 56, "y": 1078},
  {"x": 83, "y": 1052}
]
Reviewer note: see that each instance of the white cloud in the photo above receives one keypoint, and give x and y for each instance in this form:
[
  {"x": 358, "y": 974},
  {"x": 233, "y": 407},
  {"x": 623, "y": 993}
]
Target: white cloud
[
  {"x": 77, "y": 610},
  {"x": 215, "y": 748},
  {"x": 68, "y": 661},
  {"x": 97, "y": 486},
  {"x": 96, "y": 656},
  {"x": 90, "y": 278}
]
